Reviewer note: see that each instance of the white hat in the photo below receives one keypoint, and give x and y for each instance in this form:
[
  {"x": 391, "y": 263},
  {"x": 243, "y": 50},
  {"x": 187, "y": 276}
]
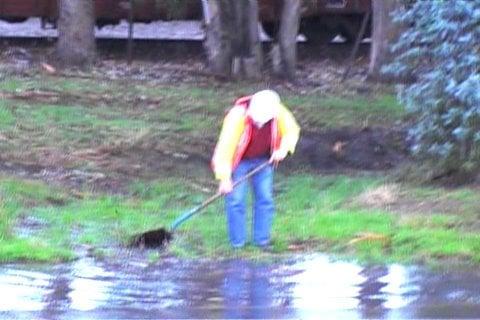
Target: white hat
[{"x": 263, "y": 106}]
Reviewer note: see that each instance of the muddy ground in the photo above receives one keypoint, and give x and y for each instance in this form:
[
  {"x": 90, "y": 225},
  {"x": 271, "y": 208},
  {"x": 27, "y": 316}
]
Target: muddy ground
[
  {"x": 320, "y": 70},
  {"x": 334, "y": 151}
]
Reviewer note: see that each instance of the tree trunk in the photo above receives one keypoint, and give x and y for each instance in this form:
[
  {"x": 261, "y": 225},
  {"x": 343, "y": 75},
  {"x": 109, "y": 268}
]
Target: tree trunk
[
  {"x": 384, "y": 33},
  {"x": 76, "y": 37},
  {"x": 247, "y": 50},
  {"x": 217, "y": 43},
  {"x": 232, "y": 37},
  {"x": 287, "y": 38},
  {"x": 254, "y": 68}
]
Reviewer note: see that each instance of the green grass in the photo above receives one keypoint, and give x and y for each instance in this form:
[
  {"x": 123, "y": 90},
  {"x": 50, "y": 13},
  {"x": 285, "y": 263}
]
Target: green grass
[
  {"x": 7, "y": 119},
  {"x": 337, "y": 111},
  {"x": 17, "y": 197},
  {"x": 90, "y": 114},
  {"x": 202, "y": 107},
  {"x": 60, "y": 125},
  {"x": 19, "y": 84},
  {"x": 161, "y": 114},
  {"x": 313, "y": 212},
  {"x": 32, "y": 250}
]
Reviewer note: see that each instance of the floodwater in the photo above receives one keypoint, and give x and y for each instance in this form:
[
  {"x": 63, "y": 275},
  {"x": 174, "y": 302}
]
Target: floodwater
[{"x": 307, "y": 287}]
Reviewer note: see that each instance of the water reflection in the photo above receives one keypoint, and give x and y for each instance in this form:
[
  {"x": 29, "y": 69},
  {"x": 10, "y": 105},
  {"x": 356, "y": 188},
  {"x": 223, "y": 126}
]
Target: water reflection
[
  {"x": 307, "y": 287},
  {"x": 249, "y": 293},
  {"x": 56, "y": 301},
  {"x": 90, "y": 285},
  {"x": 22, "y": 290},
  {"x": 371, "y": 299}
]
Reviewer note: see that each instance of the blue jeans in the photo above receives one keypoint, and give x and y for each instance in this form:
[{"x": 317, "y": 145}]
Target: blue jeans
[{"x": 263, "y": 205}]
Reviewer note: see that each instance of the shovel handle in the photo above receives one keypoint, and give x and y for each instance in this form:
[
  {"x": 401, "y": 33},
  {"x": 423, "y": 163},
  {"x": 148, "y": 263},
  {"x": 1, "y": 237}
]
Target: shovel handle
[
  {"x": 204, "y": 204},
  {"x": 242, "y": 179}
]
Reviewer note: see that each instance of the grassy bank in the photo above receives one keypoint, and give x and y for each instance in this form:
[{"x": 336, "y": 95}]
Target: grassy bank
[
  {"x": 340, "y": 214},
  {"x": 132, "y": 132}
]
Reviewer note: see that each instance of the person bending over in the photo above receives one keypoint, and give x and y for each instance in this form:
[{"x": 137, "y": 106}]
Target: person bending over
[{"x": 257, "y": 129}]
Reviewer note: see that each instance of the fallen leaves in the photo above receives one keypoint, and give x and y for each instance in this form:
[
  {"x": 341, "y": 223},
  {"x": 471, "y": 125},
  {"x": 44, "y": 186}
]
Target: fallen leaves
[
  {"x": 371, "y": 237},
  {"x": 48, "y": 68},
  {"x": 338, "y": 147}
]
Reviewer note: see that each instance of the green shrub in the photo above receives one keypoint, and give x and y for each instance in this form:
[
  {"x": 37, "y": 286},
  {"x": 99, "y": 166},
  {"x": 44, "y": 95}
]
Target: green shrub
[{"x": 440, "y": 53}]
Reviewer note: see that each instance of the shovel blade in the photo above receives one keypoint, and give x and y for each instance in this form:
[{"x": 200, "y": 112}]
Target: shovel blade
[{"x": 151, "y": 239}]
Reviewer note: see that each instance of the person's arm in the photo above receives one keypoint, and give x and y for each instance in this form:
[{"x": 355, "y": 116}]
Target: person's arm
[
  {"x": 230, "y": 133},
  {"x": 289, "y": 132}
]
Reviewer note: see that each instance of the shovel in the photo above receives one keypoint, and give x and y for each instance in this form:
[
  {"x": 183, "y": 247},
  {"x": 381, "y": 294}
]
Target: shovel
[{"x": 161, "y": 236}]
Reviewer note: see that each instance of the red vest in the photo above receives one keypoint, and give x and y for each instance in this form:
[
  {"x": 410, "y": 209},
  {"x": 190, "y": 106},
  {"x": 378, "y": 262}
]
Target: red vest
[{"x": 247, "y": 133}]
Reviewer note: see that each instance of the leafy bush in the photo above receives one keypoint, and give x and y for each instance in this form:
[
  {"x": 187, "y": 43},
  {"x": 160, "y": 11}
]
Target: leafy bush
[{"x": 440, "y": 55}]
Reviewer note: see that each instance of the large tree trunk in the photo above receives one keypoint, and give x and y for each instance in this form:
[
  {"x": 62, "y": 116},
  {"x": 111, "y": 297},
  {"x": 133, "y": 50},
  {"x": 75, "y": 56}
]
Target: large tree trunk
[
  {"x": 246, "y": 39},
  {"x": 232, "y": 39},
  {"x": 384, "y": 33},
  {"x": 217, "y": 43},
  {"x": 284, "y": 55},
  {"x": 76, "y": 37}
]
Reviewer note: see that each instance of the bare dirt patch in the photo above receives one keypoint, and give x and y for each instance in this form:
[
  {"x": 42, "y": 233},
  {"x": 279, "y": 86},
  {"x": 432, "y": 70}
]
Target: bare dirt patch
[
  {"x": 353, "y": 148},
  {"x": 393, "y": 198},
  {"x": 147, "y": 158},
  {"x": 111, "y": 168},
  {"x": 383, "y": 196},
  {"x": 320, "y": 68}
]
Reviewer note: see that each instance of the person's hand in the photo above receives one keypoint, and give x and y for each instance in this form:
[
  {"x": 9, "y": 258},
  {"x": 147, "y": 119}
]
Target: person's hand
[
  {"x": 278, "y": 156},
  {"x": 225, "y": 186}
]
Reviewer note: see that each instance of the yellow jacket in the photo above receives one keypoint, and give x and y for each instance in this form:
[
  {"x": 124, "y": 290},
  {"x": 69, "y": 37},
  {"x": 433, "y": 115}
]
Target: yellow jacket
[{"x": 235, "y": 136}]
